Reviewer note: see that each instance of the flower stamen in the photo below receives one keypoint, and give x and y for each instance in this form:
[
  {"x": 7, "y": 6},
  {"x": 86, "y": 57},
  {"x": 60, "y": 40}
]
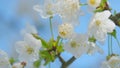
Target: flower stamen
[
  {"x": 97, "y": 22},
  {"x": 92, "y": 2},
  {"x": 30, "y": 50},
  {"x": 73, "y": 44}
]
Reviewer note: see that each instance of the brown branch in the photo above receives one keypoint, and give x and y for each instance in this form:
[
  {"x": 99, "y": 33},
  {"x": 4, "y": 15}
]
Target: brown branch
[
  {"x": 116, "y": 19},
  {"x": 70, "y": 61},
  {"x": 61, "y": 59}
]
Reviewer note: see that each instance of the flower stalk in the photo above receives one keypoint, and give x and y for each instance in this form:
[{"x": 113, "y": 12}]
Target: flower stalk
[
  {"x": 51, "y": 27},
  {"x": 111, "y": 44},
  {"x": 108, "y": 47}
]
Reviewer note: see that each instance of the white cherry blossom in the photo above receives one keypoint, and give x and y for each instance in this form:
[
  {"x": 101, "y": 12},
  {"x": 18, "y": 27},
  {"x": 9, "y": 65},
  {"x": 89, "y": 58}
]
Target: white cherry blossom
[
  {"x": 93, "y": 48},
  {"x": 19, "y": 65},
  {"x": 28, "y": 49},
  {"x": 65, "y": 30},
  {"x": 4, "y": 60},
  {"x": 101, "y": 25},
  {"x": 113, "y": 62},
  {"x": 46, "y": 9},
  {"x": 69, "y": 10},
  {"x": 94, "y": 3},
  {"x": 29, "y": 29},
  {"x": 77, "y": 45}
]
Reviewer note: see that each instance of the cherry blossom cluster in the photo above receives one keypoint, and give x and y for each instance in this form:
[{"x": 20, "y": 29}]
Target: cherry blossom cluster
[{"x": 36, "y": 52}]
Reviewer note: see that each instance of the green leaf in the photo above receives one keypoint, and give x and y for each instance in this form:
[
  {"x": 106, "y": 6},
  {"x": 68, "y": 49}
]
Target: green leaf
[
  {"x": 103, "y": 1},
  {"x": 92, "y": 39},
  {"x": 44, "y": 53},
  {"x": 60, "y": 49},
  {"x": 108, "y": 57},
  {"x": 102, "y": 6},
  {"x": 50, "y": 43},
  {"x": 11, "y": 60},
  {"x": 98, "y": 10},
  {"x": 113, "y": 34},
  {"x": 37, "y": 63},
  {"x": 48, "y": 56}
]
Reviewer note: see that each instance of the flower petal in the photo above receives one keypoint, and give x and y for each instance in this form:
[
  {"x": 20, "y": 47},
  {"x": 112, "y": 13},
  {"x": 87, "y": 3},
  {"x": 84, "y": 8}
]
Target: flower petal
[
  {"x": 103, "y": 15},
  {"x": 109, "y": 25}
]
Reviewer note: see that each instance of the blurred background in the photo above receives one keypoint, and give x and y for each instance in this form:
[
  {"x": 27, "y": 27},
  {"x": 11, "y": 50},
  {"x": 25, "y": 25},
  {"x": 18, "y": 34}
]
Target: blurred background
[{"x": 14, "y": 14}]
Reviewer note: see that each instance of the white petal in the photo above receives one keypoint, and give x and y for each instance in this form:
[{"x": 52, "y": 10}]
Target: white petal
[
  {"x": 100, "y": 35},
  {"x": 109, "y": 25},
  {"x": 4, "y": 60},
  {"x": 92, "y": 29},
  {"x": 20, "y": 46},
  {"x": 80, "y": 48},
  {"x": 103, "y": 15},
  {"x": 17, "y": 65},
  {"x": 93, "y": 48},
  {"x": 37, "y": 8},
  {"x": 114, "y": 62},
  {"x": 29, "y": 29},
  {"x": 32, "y": 41},
  {"x": 105, "y": 65}
]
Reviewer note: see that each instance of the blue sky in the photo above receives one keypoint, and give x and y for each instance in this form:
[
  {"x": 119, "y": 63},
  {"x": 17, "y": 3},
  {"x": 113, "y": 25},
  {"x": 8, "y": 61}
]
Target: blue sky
[{"x": 12, "y": 21}]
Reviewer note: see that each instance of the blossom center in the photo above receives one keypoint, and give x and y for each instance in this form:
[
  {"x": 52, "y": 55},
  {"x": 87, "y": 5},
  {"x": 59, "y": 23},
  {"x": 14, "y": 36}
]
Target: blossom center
[
  {"x": 30, "y": 50},
  {"x": 73, "y": 44},
  {"x": 92, "y": 2},
  {"x": 65, "y": 30},
  {"x": 98, "y": 22},
  {"x": 74, "y": 6},
  {"x": 49, "y": 12},
  {"x": 63, "y": 33}
]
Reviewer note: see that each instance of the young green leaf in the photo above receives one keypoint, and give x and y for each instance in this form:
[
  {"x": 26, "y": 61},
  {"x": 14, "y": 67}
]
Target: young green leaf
[
  {"x": 59, "y": 49},
  {"x": 113, "y": 34},
  {"x": 11, "y": 60},
  {"x": 37, "y": 63},
  {"x": 92, "y": 39}
]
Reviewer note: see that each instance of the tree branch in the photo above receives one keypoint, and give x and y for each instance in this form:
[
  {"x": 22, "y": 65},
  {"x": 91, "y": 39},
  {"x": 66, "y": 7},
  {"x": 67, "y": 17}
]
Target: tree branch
[
  {"x": 70, "y": 61},
  {"x": 61, "y": 59},
  {"x": 116, "y": 19}
]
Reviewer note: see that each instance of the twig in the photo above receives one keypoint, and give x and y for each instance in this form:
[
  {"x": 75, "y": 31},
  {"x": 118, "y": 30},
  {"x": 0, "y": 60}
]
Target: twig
[
  {"x": 116, "y": 19},
  {"x": 66, "y": 64},
  {"x": 61, "y": 59},
  {"x": 70, "y": 61}
]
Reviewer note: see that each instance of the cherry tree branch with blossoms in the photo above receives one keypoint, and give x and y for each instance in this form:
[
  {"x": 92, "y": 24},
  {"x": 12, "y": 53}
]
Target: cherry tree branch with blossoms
[{"x": 36, "y": 52}]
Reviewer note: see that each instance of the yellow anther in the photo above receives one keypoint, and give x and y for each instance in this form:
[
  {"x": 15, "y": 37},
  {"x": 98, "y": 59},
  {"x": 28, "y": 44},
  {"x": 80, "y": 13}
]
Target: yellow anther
[
  {"x": 30, "y": 50},
  {"x": 92, "y": 2},
  {"x": 98, "y": 22},
  {"x": 73, "y": 44}
]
